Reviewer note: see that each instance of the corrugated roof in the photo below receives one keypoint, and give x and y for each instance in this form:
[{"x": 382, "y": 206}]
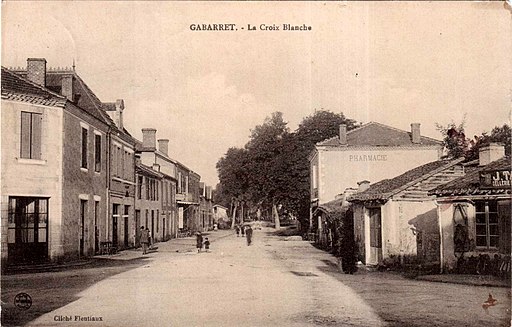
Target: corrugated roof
[
  {"x": 384, "y": 189},
  {"x": 376, "y": 134},
  {"x": 469, "y": 184}
]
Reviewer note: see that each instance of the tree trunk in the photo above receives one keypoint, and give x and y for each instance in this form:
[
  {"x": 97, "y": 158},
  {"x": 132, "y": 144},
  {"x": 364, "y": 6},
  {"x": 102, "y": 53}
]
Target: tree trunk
[
  {"x": 234, "y": 216},
  {"x": 276, "y": 217},
  {"x": 242, "y": 214}
]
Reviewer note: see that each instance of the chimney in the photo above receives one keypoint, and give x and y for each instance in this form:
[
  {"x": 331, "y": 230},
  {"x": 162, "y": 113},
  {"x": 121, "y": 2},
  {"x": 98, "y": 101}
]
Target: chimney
[
  {"x": 67, "y": 87},
  {"x": 415, "y": 133},
  {"x": 163, "y": 146},
  {"x": 363, "y": 186},
  {"x": 36, "y": 70},
  {"x": 490, "y": 153},
  {"x": 343, "y": 134},
  {"x": 148, "y": 138},
  {"x": 119, "y": 114}
]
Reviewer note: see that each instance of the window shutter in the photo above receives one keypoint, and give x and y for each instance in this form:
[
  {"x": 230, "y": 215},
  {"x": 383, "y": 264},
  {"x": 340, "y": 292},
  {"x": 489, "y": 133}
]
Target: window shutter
[
  {"x": 37, "y": 122},
  {"x": 25, "y": 134}
]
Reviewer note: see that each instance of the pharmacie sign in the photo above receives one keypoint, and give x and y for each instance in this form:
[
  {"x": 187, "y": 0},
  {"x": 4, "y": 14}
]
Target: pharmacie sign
[{"x": 495, "y": 179}]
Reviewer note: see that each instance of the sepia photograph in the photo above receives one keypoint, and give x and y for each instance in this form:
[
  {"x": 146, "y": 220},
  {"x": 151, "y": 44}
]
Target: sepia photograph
[{"x": 256, "y": 163}]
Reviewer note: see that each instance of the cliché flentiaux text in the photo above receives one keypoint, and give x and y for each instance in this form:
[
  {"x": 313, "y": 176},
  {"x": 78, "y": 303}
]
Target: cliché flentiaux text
[{"x": 249, "y": 27}]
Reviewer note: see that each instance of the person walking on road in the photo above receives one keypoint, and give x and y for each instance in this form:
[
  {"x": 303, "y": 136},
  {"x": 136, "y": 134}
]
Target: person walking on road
[
  {"x": 206, "y": 244},
  {"x": 242, "y": 230},
  {"x": 237, "y": 229},
  {"x": 144, "y": 239},
  {"x": 199, "y": 242},
  {"x": 248, "y": 234}
]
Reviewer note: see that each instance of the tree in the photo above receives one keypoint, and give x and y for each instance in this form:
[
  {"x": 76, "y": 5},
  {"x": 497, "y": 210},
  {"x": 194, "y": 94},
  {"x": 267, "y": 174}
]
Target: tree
[
  {"x": 497, "y": 135},
  {"x": 454, "y": 139}
]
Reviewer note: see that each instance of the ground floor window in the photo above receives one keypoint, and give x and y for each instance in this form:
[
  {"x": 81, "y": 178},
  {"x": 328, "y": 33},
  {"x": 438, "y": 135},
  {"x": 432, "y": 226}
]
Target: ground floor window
[{"x": 487, "y": 225}]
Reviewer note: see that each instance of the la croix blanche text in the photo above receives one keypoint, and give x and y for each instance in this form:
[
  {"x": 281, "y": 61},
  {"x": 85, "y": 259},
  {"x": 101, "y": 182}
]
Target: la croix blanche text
[{"x": 249, "y": 27}]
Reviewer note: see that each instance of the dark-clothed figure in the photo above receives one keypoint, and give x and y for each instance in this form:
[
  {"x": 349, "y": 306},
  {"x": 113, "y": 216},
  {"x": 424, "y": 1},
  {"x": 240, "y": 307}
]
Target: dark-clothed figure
[
  {"x": 199, "y": 242},
  {"x": 242, "y": 230},
  {"x": 144, "y": 239},
  {"x": 248, "y": 234},
  {"x": 206, "y": 244},
  {"x": 237, "y": 229}
]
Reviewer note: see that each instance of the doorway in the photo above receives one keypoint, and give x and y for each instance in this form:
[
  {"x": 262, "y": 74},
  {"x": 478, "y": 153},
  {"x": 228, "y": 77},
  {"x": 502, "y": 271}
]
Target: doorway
[
  {"x": 375, "y": 236},
  {"x": 115, "y": 215}
]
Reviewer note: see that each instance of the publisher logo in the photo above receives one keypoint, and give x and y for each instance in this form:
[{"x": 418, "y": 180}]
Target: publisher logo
[{"x": 22, "y": 301}]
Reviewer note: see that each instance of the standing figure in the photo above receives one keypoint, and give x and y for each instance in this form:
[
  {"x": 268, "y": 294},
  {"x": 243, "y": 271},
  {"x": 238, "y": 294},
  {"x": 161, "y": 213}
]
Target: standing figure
[
  {"x": 199, "y": 242},
  {"x": 149, "y": 238},
  {"x": 242, "y": 230},
  {"x": 206, "y": 244},
  {"x": 237, "y": 229},
  {"x": 144, "y": 239},
  {"x": 248, "y": 234}
]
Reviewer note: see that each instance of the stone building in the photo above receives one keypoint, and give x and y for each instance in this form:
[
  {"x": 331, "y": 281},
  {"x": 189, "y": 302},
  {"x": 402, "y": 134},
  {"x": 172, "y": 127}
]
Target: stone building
[
  {"x": 474, "y": 216},
  {"x": 54, "y": 168},
  {"x": 370, "y": 152}
]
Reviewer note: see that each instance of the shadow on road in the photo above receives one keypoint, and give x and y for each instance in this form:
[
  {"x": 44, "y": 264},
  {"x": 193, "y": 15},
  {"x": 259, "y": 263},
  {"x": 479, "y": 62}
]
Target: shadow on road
[{"x": 56, "y": 287}]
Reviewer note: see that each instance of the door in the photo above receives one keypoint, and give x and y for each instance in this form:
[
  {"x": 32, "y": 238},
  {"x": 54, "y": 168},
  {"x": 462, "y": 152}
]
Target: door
[
  {"x": 375, "y": 236},
  {"x": 163, "y": 229},
  {"x": 27, "y": 230},
  {"x": 137, "y": 228},
  {"x": 96, "y": 228},
  {"x": 83, "y": 212},
  {"x": 152, "y": 226},
  {"x": 115, "y": 215},
  {"x": 125, "y": 232}
]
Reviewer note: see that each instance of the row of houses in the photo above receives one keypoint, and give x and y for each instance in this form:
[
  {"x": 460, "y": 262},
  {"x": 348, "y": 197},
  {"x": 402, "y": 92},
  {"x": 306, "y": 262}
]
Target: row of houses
[
  {"x": 407, "y": 205},
  {"x": 74, "y": 181}
]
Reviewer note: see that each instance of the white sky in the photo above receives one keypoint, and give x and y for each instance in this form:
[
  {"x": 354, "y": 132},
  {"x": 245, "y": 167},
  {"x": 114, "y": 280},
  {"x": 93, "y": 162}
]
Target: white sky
[{"x": 415, "y": 62}]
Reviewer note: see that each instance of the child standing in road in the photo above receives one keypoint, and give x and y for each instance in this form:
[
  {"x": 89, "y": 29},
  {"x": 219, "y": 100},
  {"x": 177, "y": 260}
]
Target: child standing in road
[
  {"x": 206, "y": 244},
  {"x": 199, "y": 242},
  {"x": 237, "y": 228}
]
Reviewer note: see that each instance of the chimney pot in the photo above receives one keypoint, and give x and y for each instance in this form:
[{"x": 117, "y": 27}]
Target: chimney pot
[
  {"x": 415, "y": 133},
  {"x": 489, "y": 153},
  {"x": 343, "y": 134},
  {"x": 119, "y": 114},
  {"x": 363, "y": 185},
  {"x": 163, "y": 146},
  {"x": 67, "y": 87},
  {"x": 149, "y": 138},
  {"x": 36, "y": 70}
]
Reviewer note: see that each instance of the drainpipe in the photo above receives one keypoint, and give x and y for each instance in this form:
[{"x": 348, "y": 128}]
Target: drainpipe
[{"x": 441, "y": 264}]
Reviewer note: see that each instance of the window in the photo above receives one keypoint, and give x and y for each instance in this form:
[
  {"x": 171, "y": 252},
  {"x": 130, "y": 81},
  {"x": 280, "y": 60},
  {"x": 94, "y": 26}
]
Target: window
[
  {"x": 140, "y": 180},
  {"x": 84, "y": 147},
  {"x": 487, "y": 230},
  {"x": 27, "y": 220},
  {"x": 31, "y": 124},
  {"x": 97, "y": 153}
]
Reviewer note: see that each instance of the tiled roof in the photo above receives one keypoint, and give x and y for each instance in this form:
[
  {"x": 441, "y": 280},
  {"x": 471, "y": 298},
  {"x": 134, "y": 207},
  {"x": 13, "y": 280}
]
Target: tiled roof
[
  {"x": 16, "y": 87},
  {"x": 469, "y": 184},
  {"x": 384, "y": 189},
  {"x": 376, "y": 134}
]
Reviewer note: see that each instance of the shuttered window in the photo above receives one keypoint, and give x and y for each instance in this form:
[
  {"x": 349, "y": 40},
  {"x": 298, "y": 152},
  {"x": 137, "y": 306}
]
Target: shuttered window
[
  {"x": 31, "y": 124},
  {"x": 84, "y": 147}
]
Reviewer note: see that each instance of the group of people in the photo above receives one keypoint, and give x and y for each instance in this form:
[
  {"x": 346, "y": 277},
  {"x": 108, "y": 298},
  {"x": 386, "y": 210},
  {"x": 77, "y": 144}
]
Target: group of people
[
  {"x": 244, "y": 230},
  {"x": 145, "y": 239},
  {"x": 200, "y": 243}
]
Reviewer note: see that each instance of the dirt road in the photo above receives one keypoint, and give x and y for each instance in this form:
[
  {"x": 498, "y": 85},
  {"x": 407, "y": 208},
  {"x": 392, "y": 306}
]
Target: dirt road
[{"x": 270, "y": 283}]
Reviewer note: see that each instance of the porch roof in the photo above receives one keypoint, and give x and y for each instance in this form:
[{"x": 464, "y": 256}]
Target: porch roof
[
  {"x": 385, "y": 189},
  {"x": 469, "y": 184}
]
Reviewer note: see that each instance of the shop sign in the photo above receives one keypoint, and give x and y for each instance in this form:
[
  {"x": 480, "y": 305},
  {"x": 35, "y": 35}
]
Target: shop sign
[{"x": 495, "y": 179}]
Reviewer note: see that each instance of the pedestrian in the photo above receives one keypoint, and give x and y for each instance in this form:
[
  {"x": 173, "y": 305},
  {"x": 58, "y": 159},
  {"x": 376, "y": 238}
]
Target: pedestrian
[
  {"x": 237, "y": 229},
  {"x": 150, "y": 240},
  {"x": 242, "y": 230},
  {"x": 144, "y": 239},
  {"x": 206, "y": 244},
  {"x": 199, "y": 242},
  {"x": 248, "y": 234}
]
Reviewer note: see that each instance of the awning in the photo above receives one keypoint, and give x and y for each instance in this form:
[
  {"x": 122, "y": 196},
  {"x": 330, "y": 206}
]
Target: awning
[{"x": 187, "y": 202}]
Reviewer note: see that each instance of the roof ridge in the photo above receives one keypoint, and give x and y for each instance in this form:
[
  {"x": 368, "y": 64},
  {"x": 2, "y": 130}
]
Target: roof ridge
[{"x": 42, "y": 88}]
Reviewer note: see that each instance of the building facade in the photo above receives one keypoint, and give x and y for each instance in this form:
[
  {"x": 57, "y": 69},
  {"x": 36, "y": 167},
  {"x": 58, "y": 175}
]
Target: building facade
[
  {"x": 54, "y": 173},
  {"x": 474, "y": 216},
  {"x": 371, "y": 152}
]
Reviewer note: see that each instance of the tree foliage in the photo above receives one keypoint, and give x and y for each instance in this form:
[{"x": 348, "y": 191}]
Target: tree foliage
[
  {"x": 458, "y": 145},
  {"x": 273, "y": 167}
]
